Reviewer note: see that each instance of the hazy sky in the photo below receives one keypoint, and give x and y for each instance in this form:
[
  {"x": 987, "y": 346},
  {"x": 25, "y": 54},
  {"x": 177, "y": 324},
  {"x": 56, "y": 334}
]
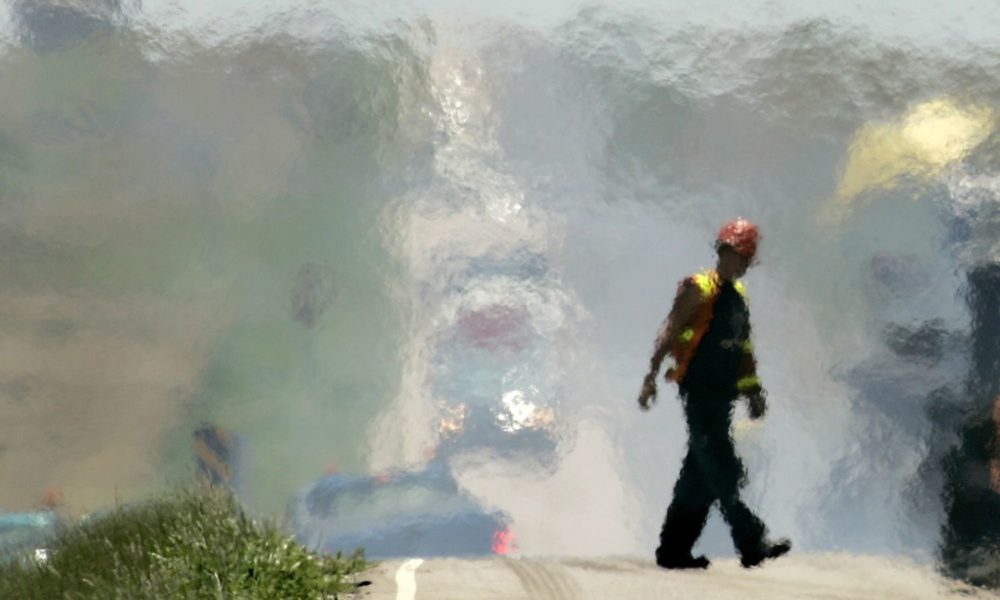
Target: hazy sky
[
  {"x": 975, "y": 21},
  {"x": 935, "y": 24}
]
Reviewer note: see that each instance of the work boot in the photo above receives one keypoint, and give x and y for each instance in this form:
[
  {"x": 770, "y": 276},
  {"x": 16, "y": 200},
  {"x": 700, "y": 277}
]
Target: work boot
[
  {"x": 765, "y": 551},
  {"x": 683, "y": 562}
]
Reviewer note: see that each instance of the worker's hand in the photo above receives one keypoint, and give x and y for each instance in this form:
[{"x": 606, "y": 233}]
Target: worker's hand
[
  {"x": 647, "y": 397},
  {"x": 757, "y": 398}
]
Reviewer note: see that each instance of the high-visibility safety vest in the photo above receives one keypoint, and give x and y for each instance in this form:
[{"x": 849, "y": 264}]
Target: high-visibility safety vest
[{"x": 686, "y": 343}]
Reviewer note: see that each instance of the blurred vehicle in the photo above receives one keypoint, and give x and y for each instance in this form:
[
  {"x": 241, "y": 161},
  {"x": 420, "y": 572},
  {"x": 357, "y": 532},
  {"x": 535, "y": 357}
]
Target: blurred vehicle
[
  {"x": 26, "y": 533},
  {"x": 497, "y": 362},
  {"x": 403, "y": 513},
  {"x": 407, "y": 513}
]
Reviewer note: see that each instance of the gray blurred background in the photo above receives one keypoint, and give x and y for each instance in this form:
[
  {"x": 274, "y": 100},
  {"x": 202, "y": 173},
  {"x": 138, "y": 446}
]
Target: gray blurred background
[{"x": 359, "y": 236}]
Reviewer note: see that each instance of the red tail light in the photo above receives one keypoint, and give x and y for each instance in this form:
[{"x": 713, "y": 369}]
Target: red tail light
[{"x": 503, "y": 542}]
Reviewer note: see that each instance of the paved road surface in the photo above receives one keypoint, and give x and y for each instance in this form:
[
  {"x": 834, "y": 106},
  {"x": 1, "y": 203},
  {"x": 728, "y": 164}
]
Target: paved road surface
[{"x": 804, "y": 577}]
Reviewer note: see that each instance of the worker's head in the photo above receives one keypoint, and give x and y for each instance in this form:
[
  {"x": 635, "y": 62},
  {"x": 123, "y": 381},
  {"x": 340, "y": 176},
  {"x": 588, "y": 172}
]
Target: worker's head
[{"x": 736, "y": 244}]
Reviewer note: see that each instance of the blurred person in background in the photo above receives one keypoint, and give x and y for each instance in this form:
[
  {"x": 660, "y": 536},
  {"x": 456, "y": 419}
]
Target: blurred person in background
[{"x": 971, "y": 529}]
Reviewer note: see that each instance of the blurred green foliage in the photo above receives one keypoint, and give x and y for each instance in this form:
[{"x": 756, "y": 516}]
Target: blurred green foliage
[{"x": 184, "y": 545}]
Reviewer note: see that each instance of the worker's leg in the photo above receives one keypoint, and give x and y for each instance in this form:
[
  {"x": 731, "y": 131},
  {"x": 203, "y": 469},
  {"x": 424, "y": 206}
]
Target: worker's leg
[
  {"x": 709, "y": 416},
  {"x": 728, "y": 475},
  {"x": 687, "y": 513}
]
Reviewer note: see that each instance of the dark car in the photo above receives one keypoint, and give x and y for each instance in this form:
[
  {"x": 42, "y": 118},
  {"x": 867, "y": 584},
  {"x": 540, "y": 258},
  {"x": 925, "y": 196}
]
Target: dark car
[{"x": 419, "y": 513}]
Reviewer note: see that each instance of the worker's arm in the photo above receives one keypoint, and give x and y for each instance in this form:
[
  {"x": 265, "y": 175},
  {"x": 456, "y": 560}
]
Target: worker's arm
[
  {"x": 748, "y": 383},
  {"x": 686, "y": 302}
]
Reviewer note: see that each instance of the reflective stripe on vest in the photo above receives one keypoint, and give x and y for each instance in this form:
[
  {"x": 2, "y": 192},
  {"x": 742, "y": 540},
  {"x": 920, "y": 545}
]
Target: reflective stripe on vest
[{"x": 747, "y": 383}]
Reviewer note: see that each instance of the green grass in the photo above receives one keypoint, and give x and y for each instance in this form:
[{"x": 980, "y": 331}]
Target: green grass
[{"x": 185, "y": 545}]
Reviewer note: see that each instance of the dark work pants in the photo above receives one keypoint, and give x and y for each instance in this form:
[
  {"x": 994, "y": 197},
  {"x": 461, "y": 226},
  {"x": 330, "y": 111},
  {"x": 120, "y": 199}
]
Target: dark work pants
[{"x": 711, "y": 473}]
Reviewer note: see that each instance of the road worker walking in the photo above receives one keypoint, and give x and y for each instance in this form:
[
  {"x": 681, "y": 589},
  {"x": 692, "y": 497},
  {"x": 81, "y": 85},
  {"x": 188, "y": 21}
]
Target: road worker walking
[{"x": 707, "y": 333}]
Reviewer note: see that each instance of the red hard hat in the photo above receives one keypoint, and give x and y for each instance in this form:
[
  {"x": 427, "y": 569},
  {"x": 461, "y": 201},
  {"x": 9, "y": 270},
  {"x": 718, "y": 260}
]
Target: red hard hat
[{"x": 741, "y": 235}]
